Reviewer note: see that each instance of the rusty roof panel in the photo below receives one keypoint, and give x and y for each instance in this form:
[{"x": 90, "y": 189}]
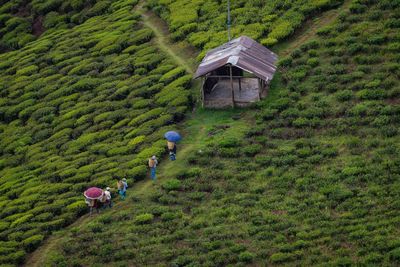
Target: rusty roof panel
[{"x": 244, "y": 53}]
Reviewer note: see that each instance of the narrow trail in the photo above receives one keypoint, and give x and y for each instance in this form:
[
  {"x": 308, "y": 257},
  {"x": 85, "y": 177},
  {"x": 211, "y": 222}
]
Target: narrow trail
[
  {"x": 181, "y": 52},
  {"x": 196, "y": 125},
  {"x": 309, "y": 30}
]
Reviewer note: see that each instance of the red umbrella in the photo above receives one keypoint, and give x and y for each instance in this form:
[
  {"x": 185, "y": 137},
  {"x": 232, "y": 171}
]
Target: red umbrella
[{"x": 93, "y": 193}]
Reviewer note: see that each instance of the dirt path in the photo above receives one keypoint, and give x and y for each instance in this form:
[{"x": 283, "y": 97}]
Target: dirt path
[
  {"x": 181, "y": 52},
  {"x": 309, "y": 30}
]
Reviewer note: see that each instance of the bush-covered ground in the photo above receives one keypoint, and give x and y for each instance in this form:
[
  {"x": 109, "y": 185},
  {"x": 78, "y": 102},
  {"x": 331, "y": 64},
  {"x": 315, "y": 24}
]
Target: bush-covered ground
[
  {"x": 22, "y": 21},
  {"x": 79, "y": 107},
  {"x": 310, "y": 176},
  {"x": 203, "y": 23}
]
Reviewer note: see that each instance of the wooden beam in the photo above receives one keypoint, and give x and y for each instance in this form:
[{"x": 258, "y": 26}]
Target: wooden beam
[
  {"x": 202, "y": 92},
  {"x": 235, "y": 77},
  {"x": 240, "y": 84},
  {"x": 259, "y": 89},
  {"x": 233, "y": 92}
]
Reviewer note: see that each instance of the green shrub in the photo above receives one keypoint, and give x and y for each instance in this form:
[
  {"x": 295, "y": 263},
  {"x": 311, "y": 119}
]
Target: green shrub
[
  {"x": 246, "y": 256},
  {"x": 172, "y": 184},
  {"x": 78, "y": 207},
  {"x": 28, "y": 70},
  {"x": 31, "y": 243},
  {"x": 169, "y": 216},
  {"x": 145, "y": 218},
  {"x": 281, "y": 257}
]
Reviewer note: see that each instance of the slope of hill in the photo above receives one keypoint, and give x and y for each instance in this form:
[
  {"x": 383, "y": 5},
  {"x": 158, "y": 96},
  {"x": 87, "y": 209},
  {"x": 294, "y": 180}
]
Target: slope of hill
[
  {"x": 22, "y": 21},
  {"x": 79, "y": 107},
  {"x": 203, "y": 23},
  {"x": 310, "y": 176}
]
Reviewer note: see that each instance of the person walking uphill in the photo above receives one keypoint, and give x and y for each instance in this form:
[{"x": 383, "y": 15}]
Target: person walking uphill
[
  {"x": 172, "y": 150},
  {"x": 122, "y": 186},
  {"x": 107, "y": 194},
  {"x": 152, "y": 165},
  {"x": 172, "y": 138}
]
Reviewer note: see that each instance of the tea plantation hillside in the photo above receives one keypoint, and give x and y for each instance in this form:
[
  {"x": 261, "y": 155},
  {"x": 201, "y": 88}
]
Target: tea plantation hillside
[
  {"x": 79, "y": 107},
  {"x": 22, "y": 21},
  {"x": 203, "y": 23},
  {"x": 309, "y": 177}
]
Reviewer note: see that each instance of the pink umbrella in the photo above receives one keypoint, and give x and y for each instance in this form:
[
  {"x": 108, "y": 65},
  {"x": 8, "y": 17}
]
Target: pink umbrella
[{"x": 93, "y": 193}]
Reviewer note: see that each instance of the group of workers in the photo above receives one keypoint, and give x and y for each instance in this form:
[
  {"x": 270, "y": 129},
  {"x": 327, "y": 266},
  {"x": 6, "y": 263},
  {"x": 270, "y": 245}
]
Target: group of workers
[
  {"x": 102, "y": 202},
  {"x": 104, "y": 199}
]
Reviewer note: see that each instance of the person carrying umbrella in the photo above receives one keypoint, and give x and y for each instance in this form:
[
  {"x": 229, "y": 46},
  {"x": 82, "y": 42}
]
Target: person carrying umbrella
[
  {"x": 152, "y": 165},
  {"x": 172, "y": 150},
  {"x": 93, "y": 195},
  {"x": 172, "y": 138}
]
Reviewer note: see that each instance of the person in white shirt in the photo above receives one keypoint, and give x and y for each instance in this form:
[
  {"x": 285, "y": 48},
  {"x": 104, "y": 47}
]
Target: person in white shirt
[{"x": 107, "y": 193}]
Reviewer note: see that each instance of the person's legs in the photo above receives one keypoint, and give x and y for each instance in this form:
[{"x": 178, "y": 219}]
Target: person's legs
[{"x": 153, "y": 173}]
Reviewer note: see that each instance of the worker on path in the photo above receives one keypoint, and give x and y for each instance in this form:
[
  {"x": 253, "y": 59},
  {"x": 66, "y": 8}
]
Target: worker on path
[
  {"x": 172, "y": 138},
  {"x": 107, "y": 194},
  {"x": 152, "y": 165},
  {"x": 125, "y": 183},
  {"x": 94, "y": 204},
  {"x": 172, "y": 150},
  {"x": 122, "y": 186}
]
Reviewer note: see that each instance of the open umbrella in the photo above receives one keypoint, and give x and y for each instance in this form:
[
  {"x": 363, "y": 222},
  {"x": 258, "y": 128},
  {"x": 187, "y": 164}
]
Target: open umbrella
[
  {"x": 172, "y": 136},
  {"x": 93, "y": 193}
]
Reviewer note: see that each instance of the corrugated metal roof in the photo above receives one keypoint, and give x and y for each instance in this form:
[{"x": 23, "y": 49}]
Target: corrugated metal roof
[{"x": 244, "y": 53}]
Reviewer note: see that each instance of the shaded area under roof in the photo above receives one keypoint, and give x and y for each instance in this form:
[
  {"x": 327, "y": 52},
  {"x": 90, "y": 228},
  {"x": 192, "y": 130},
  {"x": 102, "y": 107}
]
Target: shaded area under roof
[{"x": 244, "y": 53}]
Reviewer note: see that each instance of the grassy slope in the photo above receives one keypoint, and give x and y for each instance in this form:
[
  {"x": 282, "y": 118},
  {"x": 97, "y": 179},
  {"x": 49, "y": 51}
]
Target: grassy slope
[
  {"x": 228, "y": 208},
  {"x": 203, "y": 23},
  {"x": 71, "y": 103}
]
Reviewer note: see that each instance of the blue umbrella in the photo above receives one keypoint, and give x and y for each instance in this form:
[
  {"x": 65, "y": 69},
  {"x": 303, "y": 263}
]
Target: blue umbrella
[{"x": 172, "y": 136}]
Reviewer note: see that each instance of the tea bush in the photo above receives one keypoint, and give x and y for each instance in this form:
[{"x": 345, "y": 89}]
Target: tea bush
[
  {"x": 144, "y": 218},
  {"x": 22, "y": 23}
]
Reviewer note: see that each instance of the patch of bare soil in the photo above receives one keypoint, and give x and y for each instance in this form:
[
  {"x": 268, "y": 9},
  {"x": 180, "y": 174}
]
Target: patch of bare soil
[{"x": 37, "y": 26}]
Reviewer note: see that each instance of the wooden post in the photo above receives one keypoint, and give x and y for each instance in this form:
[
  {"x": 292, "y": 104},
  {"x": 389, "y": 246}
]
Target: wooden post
[
  {"x": 240, "y": 84},
  {"x": 259, "y": 89},
  {"x": 233, "y": 92},
  {"x": 202, "y": 91}
]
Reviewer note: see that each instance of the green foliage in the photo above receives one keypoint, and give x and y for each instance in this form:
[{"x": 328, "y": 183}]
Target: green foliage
[
  {"x": 31, "y": 243},
  {"x": 246, "y": 256},
  {"x": 173, "y": 184},
  {"x": 144, "y": 218},
  {"x": 202, "y": 23}
]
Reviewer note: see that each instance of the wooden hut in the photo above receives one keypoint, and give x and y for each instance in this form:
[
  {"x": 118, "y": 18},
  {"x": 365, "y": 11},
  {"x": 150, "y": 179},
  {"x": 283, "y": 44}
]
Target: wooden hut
[{"x": 236, "y": 73}]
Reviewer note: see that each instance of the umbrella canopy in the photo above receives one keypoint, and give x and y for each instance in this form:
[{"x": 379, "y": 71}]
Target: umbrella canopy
[
  {"x": 93, "y": 193},
  {"x": 172, "y": 136}
]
